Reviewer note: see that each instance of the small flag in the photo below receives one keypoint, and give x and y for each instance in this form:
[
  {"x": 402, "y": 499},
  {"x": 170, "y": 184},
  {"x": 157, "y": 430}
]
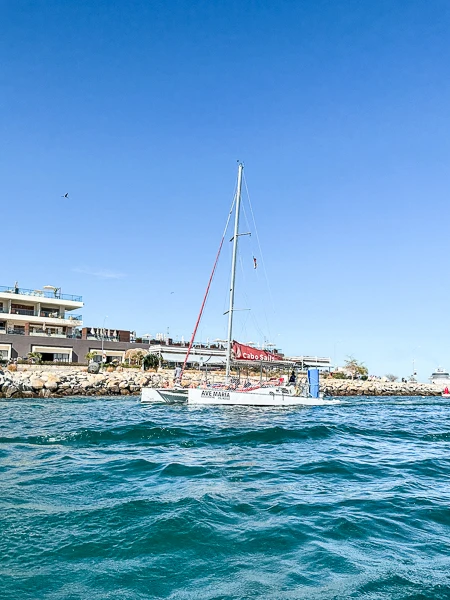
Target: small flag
[{"x": 255, "y": 264}]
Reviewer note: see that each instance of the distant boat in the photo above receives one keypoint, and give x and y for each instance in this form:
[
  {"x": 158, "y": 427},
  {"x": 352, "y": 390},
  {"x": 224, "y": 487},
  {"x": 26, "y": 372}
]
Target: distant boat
[{"x": 440, "y": 378}]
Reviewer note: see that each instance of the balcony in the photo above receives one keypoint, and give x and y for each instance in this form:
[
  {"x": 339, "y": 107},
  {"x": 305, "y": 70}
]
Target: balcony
[
  {"x": 46, "y": 333},
  {"x": 46, "y": 314},
  {"x": 41, "y": 293},
  {"x": 50, "y": 314}
]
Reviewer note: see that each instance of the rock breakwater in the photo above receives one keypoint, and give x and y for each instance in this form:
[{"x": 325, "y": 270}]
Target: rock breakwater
[
  {"x": 42, "y": 383},
  {"x": 346, "y": 387}
]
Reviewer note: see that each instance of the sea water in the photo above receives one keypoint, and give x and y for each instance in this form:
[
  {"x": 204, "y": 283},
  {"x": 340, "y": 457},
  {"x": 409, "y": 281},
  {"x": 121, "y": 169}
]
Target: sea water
[{"x": 108, "y": 498}]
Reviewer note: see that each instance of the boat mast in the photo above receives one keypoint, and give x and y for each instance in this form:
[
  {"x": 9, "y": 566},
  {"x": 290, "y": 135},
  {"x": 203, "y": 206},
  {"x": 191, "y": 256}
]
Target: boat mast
[{"x": 233, "y": 269}]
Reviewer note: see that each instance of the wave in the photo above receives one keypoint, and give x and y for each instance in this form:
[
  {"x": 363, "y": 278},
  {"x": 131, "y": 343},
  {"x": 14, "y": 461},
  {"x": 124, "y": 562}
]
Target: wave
[{"x": 128, "y": 434}]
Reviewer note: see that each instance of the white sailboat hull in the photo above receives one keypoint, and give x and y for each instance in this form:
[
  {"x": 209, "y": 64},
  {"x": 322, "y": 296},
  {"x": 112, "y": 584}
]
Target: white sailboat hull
[
  {"x": 260, "y": 397},
  {"x": 166, "y": 395}
]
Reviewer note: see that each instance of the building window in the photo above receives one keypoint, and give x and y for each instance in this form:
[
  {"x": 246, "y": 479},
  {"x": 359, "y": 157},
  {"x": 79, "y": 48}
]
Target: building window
[{"x": 57, "y": 356}]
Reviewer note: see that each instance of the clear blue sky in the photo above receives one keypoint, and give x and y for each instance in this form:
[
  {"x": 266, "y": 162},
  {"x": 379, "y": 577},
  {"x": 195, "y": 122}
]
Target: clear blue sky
[{"x": 139, "y": 109}]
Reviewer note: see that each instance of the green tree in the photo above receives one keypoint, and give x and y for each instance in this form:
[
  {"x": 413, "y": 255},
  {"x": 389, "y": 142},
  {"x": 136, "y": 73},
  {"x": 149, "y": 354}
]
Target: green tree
[
  {"x": 90, "y": 355},
  {"x": 150, "y": 361},
  {"x": 355, "y": 368}
]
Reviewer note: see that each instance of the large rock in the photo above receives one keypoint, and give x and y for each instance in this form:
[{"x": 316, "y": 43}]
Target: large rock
[
  {"x": 11, "y": 391},
  {"x": 51, "y": 385},
  {"x": 36, "y": 383}
]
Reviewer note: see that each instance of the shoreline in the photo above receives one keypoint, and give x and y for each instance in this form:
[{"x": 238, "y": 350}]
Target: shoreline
[{"x": 61, "y": 382}]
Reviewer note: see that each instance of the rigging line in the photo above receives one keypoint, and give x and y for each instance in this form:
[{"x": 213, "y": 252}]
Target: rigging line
[
  {"x": 252, "y": 246},
  {"x": 264, "y": 268},
  {"x": 256, "y": 271},
  {"x": 259, "y": 244},
  {"x": 251, "y": 313},
  {"x": 209, "y": 285}
]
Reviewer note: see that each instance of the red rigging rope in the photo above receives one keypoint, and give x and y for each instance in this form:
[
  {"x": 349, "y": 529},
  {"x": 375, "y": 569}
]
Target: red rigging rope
[{"x": 191, "y": 343}]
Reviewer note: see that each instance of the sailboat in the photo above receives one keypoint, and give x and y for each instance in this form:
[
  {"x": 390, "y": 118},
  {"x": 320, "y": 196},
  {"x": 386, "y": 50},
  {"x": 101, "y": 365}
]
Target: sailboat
[{"x": 278, "y": 393}]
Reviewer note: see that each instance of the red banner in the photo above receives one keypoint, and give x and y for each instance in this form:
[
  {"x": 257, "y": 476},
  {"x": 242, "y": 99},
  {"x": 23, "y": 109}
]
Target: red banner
[{"x": 241, "y": 352}]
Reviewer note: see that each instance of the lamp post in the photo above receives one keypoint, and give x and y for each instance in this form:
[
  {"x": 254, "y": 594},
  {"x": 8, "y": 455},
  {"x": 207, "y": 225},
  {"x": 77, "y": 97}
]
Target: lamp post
[
  {"x": 414, "y": 364},
  {"x": 103, "y": 337},
  {"x": 334, "y": 357}
]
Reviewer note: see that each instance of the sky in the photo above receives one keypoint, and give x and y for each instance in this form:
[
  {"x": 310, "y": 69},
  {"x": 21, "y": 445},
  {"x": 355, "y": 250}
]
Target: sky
[{"x": 140, "y": 109}]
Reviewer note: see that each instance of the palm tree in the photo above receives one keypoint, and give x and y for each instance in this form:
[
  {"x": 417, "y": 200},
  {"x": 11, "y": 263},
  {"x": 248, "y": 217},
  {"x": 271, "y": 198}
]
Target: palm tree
[{"x": 35, "y": 357}]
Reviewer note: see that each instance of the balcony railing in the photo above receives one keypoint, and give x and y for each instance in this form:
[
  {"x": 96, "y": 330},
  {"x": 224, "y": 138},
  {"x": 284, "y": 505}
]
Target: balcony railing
[
  {"x": 40, "y": 293},
  {"x": 54, "y": 315},
  {"x": 49, "y": 314},
  {"x": 105, "y": 338},
  {"x": 22, "y": 311},
  {"x": 14, "y": 331},
  {"x": 41, "y": 332},
  {"x": 44, "y": 313}
]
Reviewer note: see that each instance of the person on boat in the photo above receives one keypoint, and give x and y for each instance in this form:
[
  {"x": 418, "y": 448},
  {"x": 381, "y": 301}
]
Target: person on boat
[
  {"x": 177, "y": 375},
  {"x": 292, "y": 378}
]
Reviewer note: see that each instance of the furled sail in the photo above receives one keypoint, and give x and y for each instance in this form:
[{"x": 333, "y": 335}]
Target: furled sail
[{"x": 242, "y": 352}]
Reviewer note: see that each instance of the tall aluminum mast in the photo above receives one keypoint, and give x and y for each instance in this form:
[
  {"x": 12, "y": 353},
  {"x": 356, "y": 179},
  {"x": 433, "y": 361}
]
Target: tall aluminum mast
[{"x": 233, "y": 269}]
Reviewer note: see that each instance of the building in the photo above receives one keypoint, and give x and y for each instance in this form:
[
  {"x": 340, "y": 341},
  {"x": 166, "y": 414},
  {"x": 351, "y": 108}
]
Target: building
[
  {"x": 37, "y": 314},
  {"x": 44, "y": 321},
  {"x": 214, "y": 355}
]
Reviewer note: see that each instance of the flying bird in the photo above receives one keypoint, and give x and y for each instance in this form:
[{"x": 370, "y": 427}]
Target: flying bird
[{"x": 66, "y": 195}]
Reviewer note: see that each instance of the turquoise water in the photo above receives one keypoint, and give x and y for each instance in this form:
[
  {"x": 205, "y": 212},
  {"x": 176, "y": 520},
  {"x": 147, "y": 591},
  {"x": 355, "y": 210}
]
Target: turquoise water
[{"x": 105, "y": 498}]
